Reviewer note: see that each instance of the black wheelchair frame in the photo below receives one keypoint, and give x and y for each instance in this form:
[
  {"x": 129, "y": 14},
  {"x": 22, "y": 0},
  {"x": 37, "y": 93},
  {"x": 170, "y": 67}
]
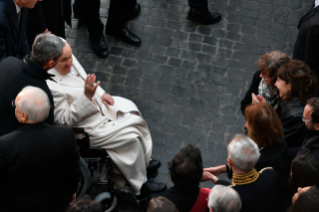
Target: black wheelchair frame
[{"x": 91, "y": 161}]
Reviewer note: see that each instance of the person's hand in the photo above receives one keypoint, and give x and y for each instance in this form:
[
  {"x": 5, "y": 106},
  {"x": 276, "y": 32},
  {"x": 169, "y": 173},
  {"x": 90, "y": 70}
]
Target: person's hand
[
  {"x": 45, "y": 31},
  {"x": 216, "y": 170},
  {"x": 208, "y": 176},
  {"x": 254, "y": 98},
  {"x": 89, "y": 87},
  {"x": 260, "y": 98},
  {"x": 72, "y": 198},
  {"x": 107, "y": 99}
]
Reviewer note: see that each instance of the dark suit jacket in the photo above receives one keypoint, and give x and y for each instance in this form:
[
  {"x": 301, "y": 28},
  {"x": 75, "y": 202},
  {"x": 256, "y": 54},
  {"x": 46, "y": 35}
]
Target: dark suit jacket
[
  {"x": 15, "y": 74},
  {"x": 39, "y": 168},
  {"x": 307, "y": 43},
  {"x": 49, "y": 14},
  {"x": 13, "y": 38},
  {"x": 311, "y": 145}
]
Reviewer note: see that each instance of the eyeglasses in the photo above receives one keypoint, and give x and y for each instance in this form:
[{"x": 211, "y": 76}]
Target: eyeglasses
[
  {"x": 305, "y": 120},
  {"x": 13, "y": 103}
]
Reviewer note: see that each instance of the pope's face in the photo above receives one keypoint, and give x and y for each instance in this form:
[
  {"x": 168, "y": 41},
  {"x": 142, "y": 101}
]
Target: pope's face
[{"x": 64, "y": 63}]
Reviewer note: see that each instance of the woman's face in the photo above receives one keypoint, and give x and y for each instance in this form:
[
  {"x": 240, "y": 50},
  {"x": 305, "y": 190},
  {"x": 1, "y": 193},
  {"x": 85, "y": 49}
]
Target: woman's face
[
  {"x": 266, "y": 78},
  {"x": 298, "y": 193},
  {"x": 283, "y": 88}
]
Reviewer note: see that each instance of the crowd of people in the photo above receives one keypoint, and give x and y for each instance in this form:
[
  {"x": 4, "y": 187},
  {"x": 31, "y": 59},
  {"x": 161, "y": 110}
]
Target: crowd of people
[{"x": 45, "y": 92}]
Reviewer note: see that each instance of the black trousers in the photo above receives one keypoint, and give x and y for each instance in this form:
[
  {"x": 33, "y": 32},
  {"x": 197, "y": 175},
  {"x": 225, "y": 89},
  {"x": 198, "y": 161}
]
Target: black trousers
[
  {"x": 198, "y": 3},
  {"x": 90, "y": 11}
]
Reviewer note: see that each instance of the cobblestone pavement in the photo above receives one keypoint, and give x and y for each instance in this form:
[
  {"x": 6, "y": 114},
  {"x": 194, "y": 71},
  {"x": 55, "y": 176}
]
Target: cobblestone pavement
[{"x": 188, "y": 79}]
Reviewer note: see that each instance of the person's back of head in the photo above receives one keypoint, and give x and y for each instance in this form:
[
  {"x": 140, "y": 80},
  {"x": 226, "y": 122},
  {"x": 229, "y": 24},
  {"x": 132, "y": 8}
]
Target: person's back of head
[
  {"x": 263, "y": 124},
  {"x": 32, "y": 105},
  {"x": 223, "y": 199},
  {"x": 304, "y": 172},
  {"x": 308, "y": 201},
  {"x": 186, "y": 168},
  {"x": 161, "y": 204},
  {"x": 46, "y": 49},
  {"x": 243, "y": 152},
  {"x": 85, "y": 204}
]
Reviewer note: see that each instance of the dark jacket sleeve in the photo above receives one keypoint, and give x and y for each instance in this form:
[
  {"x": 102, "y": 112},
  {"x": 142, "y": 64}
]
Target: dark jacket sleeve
[
  {"x": 36, "y": 19},
  {"x": 2, "y": 41},
  {"x": 252, "y": 89},
  {"x": 294, "y": 130},
  {"x": 74, "y": 169},
  {"x": 312, "y": 46}
]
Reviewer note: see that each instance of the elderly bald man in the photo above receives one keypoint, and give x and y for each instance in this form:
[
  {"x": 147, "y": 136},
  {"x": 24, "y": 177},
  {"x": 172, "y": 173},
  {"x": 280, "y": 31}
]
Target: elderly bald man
[
  {"x": 113, "y": 123},
  {"x": 39, "y": 163}
]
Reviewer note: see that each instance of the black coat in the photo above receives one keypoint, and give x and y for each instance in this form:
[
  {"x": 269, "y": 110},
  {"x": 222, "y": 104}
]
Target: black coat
[
  {"x": 290, "y": 113},
  {"x": 49, "y": 14},
  {"x": 246, "y": 101},
  {"x": 15, "y": 74},
  {"x": 307, "y": 43},
  {"x": 39, "y": 168},
  {"x": 311, "y": 144},
  {"x": 13, "y": 38}
]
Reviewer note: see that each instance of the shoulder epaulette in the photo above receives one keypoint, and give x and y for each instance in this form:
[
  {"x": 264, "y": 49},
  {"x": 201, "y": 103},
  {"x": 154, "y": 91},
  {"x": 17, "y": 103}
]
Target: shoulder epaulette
[{"x": 267, "y": 168}]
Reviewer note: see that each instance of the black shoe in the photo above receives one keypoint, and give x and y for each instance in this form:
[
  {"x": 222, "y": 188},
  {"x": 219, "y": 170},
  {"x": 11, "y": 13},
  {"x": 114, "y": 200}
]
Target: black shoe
[
  {"x": 99, "y": 46},
  {"x": 204, "y": 17},
  {"x": 124, "y": 34},
  {"x": 152, "y": 168},
  {"x": 135, "y": 12},
  {"x": 152, "y": 187}
]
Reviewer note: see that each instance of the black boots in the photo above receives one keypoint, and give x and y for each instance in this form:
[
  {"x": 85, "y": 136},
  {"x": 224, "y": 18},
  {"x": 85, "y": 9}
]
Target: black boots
[{"x": 203, "y": 16}]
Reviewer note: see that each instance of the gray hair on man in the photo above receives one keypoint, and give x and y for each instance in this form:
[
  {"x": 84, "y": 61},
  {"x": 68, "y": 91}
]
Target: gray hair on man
[
  {"x": 35, "y": 103},
  {"x": 224, "y": 199},
  {"x": 243, "y": 152},
  {"x": 46, "y": 47}
]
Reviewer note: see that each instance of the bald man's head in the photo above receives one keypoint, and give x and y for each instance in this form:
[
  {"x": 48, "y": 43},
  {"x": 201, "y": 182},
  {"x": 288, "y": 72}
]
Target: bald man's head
[{"x": 32, "y": 105}]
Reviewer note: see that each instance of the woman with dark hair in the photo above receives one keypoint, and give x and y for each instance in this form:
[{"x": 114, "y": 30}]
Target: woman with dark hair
[
  {"x": 295, "y": 84},
  {"x": 304, "y": 172},
  {"x": 186, "y": 170},
  {"x": 306, "y": 200},
  {"x": 262, "y": 88},
  {"x": 161, "y": 204},
  {"x": 264, "y": 128},
  {"x": 85, "y": 204}
]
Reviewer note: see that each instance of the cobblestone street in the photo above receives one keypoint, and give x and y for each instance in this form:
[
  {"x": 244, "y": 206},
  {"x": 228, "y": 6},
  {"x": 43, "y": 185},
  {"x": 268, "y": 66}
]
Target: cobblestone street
[{"x": 188, "y": 79}]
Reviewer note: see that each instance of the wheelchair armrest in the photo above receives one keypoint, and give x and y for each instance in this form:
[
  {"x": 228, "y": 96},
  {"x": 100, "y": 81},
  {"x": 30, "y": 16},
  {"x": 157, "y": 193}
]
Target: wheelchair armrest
[{"x": 82, "y": 139}]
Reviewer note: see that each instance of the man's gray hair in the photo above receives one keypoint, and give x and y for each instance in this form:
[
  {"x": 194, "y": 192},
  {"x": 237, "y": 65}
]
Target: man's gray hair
[
  {"x": 243, "y": 152},
  {"x": 35, "y": 103},
  {"x": 224, "y": 199},
  {"x": 46, "y": 47}
]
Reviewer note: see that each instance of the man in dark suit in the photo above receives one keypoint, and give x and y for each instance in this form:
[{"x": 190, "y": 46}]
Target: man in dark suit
[
  {"x": 39, "y": 163},
  {"x": 49, "y": 16},
  {"x": 32, "y": 70},
  {"x": 307, "y": 43},
  {"x": 120, "y": 12},
  {"x": 13, "y": 23}
]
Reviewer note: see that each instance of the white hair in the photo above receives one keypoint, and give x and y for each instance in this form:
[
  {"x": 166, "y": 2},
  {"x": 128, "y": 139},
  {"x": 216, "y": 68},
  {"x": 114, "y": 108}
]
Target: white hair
[
  {"x": 243, "y": 152},
  {"x": 224, "y": 199},
  {"x": 35, "y": 103}
]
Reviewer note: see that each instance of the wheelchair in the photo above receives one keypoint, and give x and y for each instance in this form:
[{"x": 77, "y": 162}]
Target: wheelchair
[{"x": 91, "y": 162}]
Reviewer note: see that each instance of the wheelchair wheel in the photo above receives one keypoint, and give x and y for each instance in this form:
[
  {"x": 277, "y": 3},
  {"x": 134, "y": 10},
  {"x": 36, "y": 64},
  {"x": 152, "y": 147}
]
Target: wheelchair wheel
[
  {"x": 105, "y": 199},
  {"x": 83, "y": 184}
]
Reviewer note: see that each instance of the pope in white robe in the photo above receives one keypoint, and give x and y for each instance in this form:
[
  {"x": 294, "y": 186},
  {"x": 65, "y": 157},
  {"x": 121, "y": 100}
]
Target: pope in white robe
[{"x": 113, "y": 123}]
